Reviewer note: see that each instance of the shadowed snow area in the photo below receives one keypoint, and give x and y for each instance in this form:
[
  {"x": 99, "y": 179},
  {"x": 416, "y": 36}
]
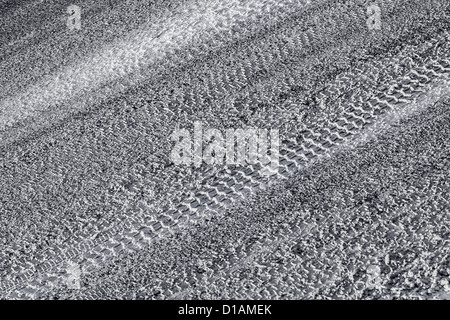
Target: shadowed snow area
[{"x": 92, "y": 206}]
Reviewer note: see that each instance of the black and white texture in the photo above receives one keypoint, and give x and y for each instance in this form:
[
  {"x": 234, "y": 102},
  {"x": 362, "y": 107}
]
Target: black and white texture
[{"x": 92, "y": 207}]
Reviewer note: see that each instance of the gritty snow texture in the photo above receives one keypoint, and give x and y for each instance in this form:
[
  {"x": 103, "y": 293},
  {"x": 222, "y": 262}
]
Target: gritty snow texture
[{"x": 92, "y": 207}]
